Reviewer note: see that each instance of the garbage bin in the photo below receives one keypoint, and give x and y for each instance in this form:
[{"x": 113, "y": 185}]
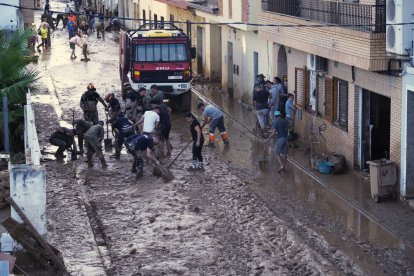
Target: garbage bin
[{"x": 383, "y": 175}]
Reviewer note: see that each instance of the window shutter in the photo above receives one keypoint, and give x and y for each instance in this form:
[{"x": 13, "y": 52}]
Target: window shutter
[
  {"x": 307, "y": 90},
  {"x": 329, "y": 101},
  {"x": 343, "y": 104},
  {"x": 300, "y": 98}
]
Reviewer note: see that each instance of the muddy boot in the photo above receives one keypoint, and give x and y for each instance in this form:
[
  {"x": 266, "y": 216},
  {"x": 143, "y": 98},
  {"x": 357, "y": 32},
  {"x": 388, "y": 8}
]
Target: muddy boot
[
  {"x": 104, "y": 165},
  {"x": 193, "y": 166},
  {"x": 139, "y": 174},
  {"x": 117, "y": 154},
  {"x": 59, "y": 153},
  {"x": 89, "y": 160},
  {"x": 200, "y": 166},
  {"x": 74, "y": 157}
]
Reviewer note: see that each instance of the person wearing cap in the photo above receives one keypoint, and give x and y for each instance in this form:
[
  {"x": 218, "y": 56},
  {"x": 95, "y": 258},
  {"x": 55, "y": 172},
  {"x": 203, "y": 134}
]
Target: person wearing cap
[
  {"x": 198, "y": 141},
  {"x": 93, "y": 141},
  {"x": 215, "y": 117},
  {"x": 280, "y": 130},
  {"x": 123, "y": 128},
  {"x": 89, "y": 102}
]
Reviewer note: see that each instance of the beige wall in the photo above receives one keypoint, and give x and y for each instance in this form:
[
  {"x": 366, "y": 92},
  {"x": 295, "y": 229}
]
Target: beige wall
[
  {"x": 361, "y": 49},
  {"x": 244, "y": 44}
]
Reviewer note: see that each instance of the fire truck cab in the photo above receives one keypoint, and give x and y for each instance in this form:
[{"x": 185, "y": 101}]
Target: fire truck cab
[{"x": 160, "y": 56}]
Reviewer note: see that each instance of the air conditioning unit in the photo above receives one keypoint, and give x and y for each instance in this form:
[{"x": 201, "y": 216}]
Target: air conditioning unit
[
  {"x": 317, "y": 63},
  {"x": 399, "y": 37}
]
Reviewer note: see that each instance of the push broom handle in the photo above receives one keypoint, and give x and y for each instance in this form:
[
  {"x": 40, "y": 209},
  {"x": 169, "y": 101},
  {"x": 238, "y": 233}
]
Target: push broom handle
[{"x": 181, "y": 152}]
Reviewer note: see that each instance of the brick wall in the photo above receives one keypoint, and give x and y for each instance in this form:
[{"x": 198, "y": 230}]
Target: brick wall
[
  {"x": 220, "y": 7},
  {"x": 246, "y": 10},
  {"x": 338, "y": 140}
]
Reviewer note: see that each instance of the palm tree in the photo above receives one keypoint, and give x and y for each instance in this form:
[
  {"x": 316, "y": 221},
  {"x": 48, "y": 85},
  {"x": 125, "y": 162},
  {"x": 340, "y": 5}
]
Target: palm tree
[{"x": 15, "y": 79}]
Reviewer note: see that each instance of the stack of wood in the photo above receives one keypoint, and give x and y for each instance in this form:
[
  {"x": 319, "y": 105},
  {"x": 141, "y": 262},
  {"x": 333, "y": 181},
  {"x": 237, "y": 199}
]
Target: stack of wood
[{"x": 41, "y": 251}]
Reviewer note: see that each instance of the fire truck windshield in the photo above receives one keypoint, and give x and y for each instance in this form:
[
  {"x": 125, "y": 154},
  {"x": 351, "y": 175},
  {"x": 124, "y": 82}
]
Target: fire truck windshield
[{"x": 160, "y": 52}]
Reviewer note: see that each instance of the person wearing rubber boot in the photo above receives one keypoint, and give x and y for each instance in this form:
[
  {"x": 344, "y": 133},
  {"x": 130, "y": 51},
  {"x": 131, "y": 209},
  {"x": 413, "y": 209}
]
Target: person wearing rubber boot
[
  {"x": 123, "y": 129},
  {"x": 198, "y": 141},
  {"x": 139, "y": 146},
  {"x": 114, "y": 106},
  {"x": 215, "y": 117},
  {"x": 93, "y": 142},
  {"x": 63, "y": 138},
  {"x": 89, "y": 102},
  {"x": 81, "y": 127}
]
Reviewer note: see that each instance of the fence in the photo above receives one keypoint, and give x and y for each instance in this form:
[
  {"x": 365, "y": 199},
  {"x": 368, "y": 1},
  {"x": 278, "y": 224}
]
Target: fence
[
  {"x": 31, "y": 142},
  {"x": 369, "y": 18}
]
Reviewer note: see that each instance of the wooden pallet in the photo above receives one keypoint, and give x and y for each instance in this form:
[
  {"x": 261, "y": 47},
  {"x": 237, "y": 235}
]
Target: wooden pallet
[
  {"x": 34, "y": 243},
  {"x": 4, "y": 188}
]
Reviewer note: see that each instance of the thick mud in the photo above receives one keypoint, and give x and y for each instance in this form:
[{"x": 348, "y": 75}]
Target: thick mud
[{"x": 201, "y": 223}]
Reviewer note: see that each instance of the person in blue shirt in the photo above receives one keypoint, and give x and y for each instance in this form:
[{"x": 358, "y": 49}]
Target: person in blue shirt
[
  {"x": 280, "y": 130},
  {"x": 290, "y": 109},
  {"x": 215, "y": 117},
  {"x": 123, "y": 128},
  {"x": 138, "y": 145}
]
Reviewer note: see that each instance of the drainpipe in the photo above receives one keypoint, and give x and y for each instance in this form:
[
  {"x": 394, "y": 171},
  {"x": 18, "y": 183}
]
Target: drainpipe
[{"x": 6, "y": 125}]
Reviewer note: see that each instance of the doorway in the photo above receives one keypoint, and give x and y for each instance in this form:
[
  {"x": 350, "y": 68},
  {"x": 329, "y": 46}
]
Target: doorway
[
  {"x": 230, "y": 69},
  {"x": 200, "y": 50},
  {"x": 282, "y": 64},
  {"x": 375, "y": 127},
  {"x": 409, "y": 171}
]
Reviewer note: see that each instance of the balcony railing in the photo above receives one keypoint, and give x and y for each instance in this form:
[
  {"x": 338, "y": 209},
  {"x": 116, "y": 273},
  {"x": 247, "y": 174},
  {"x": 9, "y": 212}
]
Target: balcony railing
[{"x": 369, "y": 18}]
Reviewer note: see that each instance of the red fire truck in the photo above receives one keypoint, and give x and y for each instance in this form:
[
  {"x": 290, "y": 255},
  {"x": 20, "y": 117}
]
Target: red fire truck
[{"x": 160, "y": 55}]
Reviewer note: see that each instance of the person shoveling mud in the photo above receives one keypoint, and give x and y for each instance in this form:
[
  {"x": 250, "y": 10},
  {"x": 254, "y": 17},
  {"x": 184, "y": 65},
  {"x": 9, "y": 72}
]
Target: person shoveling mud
[{"x": 141, "y": 146}]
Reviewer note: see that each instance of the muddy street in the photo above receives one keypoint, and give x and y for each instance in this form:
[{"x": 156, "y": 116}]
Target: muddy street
[{"x": 231, "y": 219}]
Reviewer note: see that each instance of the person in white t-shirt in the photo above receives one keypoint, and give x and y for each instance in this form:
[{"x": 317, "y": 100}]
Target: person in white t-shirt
[{"x": 151, "y": 121}]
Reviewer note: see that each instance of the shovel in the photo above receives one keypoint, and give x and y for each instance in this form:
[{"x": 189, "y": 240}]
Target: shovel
[
  {"x": 164, "y": 171},
  {"x": 107, "y": 140},
  {"x": 263, "y": 163}
]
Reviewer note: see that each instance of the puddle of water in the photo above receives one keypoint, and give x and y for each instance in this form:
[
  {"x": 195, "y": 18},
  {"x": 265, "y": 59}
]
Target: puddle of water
[{"x": 296, "y": 184}]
